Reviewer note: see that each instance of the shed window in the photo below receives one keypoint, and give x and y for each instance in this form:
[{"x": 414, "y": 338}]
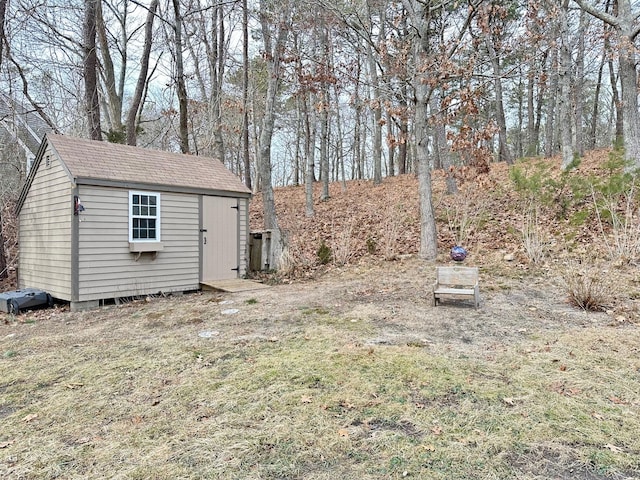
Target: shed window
[{"x": 144, "y": 217}]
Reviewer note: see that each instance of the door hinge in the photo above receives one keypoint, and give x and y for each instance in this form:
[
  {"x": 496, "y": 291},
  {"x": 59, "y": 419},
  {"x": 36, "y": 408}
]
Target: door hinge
[
  {"x": 236, "y": 207},
  {"x": 237, "y": 269},
  {"x": 203, "y": 229}
]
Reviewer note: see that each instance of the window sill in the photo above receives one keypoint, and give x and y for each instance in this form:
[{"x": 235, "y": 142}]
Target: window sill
[{"x": 140, "y": 247}]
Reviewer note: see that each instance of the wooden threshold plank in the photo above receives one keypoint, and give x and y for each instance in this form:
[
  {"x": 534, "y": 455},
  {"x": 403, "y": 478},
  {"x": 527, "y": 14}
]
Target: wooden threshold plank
[{"x": 233, "y": 286}]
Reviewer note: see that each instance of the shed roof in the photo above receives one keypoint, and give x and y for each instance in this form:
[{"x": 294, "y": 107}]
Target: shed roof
[{"x": 90, "y": 161}]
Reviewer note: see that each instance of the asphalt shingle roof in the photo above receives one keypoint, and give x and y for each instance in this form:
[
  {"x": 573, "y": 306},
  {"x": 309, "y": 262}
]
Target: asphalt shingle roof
[{"x": 90, "y": 159}]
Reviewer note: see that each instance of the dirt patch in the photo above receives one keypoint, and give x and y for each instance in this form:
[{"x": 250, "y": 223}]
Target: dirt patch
[
  {"x": 380, "y": 302},
  {"x": 390, "y": 303}
]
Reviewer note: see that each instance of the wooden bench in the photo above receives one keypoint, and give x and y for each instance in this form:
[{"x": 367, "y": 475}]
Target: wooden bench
[{"x": 456, "y": 282}]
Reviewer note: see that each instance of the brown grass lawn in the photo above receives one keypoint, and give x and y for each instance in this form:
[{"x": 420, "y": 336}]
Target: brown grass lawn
[
  {"x": 351, "y": 376},
  {"x": 346, "y": 371}
]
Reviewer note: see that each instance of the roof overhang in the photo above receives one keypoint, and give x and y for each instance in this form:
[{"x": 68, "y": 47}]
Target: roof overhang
[{"x": 98, "y": 182}]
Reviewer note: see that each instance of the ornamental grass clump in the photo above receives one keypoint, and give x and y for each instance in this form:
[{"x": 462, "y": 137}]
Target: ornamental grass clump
[{"x": 589, "y": 288}]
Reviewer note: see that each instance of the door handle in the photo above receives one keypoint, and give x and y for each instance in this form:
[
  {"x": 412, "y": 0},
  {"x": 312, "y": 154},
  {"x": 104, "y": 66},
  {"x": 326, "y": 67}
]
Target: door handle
[{"x": 205, "y": 240}]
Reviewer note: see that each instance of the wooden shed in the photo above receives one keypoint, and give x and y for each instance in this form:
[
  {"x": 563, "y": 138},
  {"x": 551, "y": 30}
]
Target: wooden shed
[{"x": 102, "y": 221}]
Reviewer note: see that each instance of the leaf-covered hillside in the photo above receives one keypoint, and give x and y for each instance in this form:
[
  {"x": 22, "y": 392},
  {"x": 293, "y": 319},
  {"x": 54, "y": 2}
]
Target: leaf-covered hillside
[{"x": 489, "y": 216}]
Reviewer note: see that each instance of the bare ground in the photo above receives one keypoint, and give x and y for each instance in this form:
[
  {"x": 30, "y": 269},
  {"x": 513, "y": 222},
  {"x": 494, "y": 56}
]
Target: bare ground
[{"x": 392, "y": 298}]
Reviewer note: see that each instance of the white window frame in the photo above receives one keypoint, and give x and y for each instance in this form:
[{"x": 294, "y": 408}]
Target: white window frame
[{"x": 157, "y": 217}]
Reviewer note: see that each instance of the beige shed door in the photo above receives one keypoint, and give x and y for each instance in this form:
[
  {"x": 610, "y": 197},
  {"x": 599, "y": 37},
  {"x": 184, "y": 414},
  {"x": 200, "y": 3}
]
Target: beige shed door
[{"x": 219, "y": 238}]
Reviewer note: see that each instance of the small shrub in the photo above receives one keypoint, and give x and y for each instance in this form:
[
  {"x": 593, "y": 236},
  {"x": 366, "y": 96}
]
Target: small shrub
[
  {"x": 390, "y": 232},
  {"x": 324, "y": 253},
  {"x": 465, "y": 216},
  {"x": 589, "y": 289},
  {"x": 343, "y": 246},
  {"x": 617, "y": 208},
  {"x": 372, "y": 246},
  {"x": 532, "y": 236}
]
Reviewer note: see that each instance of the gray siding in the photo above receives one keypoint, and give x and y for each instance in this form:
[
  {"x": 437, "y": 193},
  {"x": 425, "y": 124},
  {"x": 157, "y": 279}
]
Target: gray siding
[
  {"x": 243, "y": 204},
  {"x": 107, "y": 269},
  {"x": 45, "y": 231}
]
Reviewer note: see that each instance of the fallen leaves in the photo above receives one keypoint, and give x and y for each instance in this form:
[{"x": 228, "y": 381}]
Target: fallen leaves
[
  {"x": 73, "y": 386},
  {"x": 30, "y": 418},
  {"x": 613, "y": 448}
]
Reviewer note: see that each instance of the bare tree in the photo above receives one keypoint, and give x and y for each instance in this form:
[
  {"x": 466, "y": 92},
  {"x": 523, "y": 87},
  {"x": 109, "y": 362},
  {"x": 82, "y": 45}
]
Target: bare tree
[
  {"x": 245, "y": 95},
  {"x": 136, "y": 100},
  {"x": 90, "y": 69},
  {"x": 626, "y": 28},
  {"x": 564, "y": 77},
  {"x": 3, "y": 258},
  {"x": 180, "y": 78},
  {"x": 275, "y": 31}
]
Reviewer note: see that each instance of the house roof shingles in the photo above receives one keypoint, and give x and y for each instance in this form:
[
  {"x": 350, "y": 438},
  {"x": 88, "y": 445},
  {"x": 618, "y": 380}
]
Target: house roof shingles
[{"x": 93, "y": 160}]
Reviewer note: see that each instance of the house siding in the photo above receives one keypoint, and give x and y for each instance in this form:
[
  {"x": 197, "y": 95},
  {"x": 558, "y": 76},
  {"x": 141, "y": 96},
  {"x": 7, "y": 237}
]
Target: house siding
[
  {"x": 243, "y": 208},
  {"x": 107, "y": 269},
  {"x": 45, "y": 231}
]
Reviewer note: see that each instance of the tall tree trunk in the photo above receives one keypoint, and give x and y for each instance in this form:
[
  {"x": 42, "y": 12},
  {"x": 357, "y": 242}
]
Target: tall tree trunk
[
  {"x": 564, "y": 79},
  {"x": 3, "y": 14},
  {"x": 113, "y": 111},
  {"x": 441, "y": 150},
  {"x": 550, "y": 127},
  {"x": 404, "y": 133},
  {"x": 357, "y": 105},
  {"x": 180, "y": 79},
  {"x": 324, "y": 110},
  {"x": 578, "y": 94},
  {"x": 136, "y": 100},
  {"x": 216, "y": 55},
  {"x": 540, "y": 98},
  {"x": 532, "y": 147},
  {"x": 519, "y": 148},
  {"x": 376, "y": 105},
  {"x": 428, "y": 235},
  {"x": 273, "y": 56},
  {"x": 309, "y": 148},
  {"x": 90, "y": 70},
  {"x": 340, "y": 145},
  {"x": 245, "y": 95},
  {"x": 593, "y": 135},
  {"x": 503, "y": 147},
  {"x": 617, "y": 105},
  {"x": 3, "y": 258}
]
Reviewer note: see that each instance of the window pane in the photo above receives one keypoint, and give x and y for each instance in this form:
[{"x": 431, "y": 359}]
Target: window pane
[{"x": 144, "y": 215}]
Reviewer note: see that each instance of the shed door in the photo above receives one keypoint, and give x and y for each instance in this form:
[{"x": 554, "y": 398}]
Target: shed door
[{"x": 219, "y": 238}]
